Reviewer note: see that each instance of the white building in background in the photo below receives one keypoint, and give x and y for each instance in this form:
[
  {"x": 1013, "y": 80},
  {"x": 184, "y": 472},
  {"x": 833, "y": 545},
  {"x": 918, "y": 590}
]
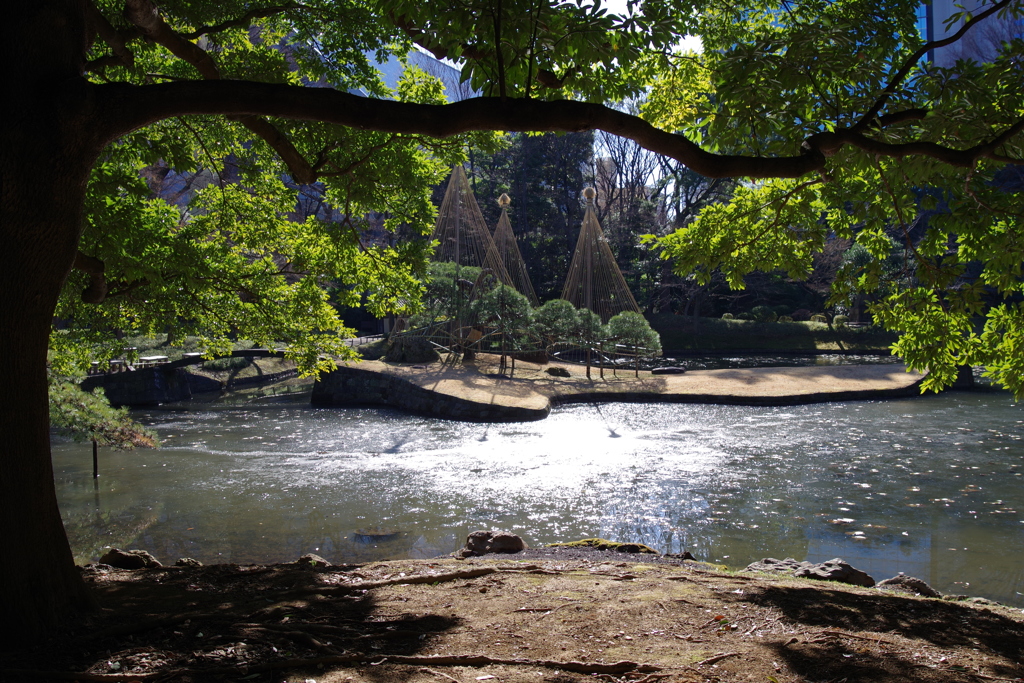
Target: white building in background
[{"x": 981, "y": 44}]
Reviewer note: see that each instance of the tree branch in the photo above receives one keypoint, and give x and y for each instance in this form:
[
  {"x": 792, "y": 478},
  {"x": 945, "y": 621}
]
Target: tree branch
[
  {"x": 115, "y": 41},
  {"x": 913, "y": 59},
  {"x": 988, "y": 149},
  {"x": 100, "y": 63},
  {"x": 298, "y": 166},
  {"x": 145, "y": 15},
  {"x": 243, "y": 21},
  {"x": 497, "y": 45},
  {"x": 887, "y": 120},
  {"x": 964, "y": 158},
  {"x": 130, "y": 107},
  {"x": 96, "y": 292}
]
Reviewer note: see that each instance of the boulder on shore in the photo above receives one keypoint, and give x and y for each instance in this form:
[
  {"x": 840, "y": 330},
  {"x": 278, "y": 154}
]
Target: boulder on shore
[
  {"x": 909, "y": 584},
  {"x": 770, "y": 565},
  {"x": 484, "y": 542},
  {"x": 312, "y": 561},
  {"x": 834, "y": 570},
  {"x": 129, "y": 559}
]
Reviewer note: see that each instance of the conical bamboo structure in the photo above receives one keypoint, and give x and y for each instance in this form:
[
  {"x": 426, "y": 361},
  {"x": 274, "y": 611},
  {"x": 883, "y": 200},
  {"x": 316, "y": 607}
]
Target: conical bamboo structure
[
  {"x": 507, "y": 251},
  {"x": 462, "y": 231},
  {"x": 595, "y": 281}
]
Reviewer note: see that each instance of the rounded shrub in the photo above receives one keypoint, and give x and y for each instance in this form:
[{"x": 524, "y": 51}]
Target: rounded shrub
[
  {"x": 744, "y": 316},
  {"x": 785, "y": 319},
  {"x": 818, "y": 318},
  {"x": 727, "y": 316},
  {"x": 840, "y": 320},
  {"x": 763, "y": 314}
]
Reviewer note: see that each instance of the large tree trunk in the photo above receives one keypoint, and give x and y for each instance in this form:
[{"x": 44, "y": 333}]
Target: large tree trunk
[
  {"x": 39, "y": 584},
  {"x": 46, "y": 150}
]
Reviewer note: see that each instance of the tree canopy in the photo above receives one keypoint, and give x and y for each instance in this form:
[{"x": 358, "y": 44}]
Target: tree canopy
[{"x": 830, "y": 112}]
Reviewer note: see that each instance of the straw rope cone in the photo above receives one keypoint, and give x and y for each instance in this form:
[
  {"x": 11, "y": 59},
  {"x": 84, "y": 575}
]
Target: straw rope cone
[{"x": 594, "y": 281}]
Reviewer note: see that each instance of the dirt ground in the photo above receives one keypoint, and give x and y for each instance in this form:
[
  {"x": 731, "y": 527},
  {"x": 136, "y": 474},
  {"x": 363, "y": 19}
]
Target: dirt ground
[{"x": 580, "y": 617}]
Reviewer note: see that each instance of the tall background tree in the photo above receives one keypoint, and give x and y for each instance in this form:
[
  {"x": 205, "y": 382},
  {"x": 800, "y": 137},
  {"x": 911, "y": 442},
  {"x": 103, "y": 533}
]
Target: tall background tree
[
  {"x": 543, "y": 175},
  {"x": 775, "y": 97}
]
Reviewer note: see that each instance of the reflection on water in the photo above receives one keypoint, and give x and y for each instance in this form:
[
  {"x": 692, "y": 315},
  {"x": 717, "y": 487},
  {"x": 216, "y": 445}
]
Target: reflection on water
[{"x": 929, "y": 486}]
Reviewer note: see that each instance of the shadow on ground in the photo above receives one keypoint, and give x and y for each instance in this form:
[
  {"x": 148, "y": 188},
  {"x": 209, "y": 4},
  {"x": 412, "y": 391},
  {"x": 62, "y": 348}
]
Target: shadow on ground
[
  {"x": 197, "y": 624},
  {"x": 942, "y": 624}
]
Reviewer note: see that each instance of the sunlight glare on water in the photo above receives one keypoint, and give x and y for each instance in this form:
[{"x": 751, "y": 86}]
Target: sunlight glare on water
[{"x": 928, "y": 486}]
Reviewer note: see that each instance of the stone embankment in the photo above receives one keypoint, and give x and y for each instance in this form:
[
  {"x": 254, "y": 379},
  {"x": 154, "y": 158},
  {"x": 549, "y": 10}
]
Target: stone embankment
[
  {"x": 445, "y": 397},
  {"x": 474, "y": 392},
  {"x": 173, "y": 382}
]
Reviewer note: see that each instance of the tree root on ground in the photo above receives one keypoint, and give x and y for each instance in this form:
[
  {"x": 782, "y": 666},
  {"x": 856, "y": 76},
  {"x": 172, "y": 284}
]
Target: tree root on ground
[
  {"x": 621, "y": 667},
  {"x": 346, "y": 588}
]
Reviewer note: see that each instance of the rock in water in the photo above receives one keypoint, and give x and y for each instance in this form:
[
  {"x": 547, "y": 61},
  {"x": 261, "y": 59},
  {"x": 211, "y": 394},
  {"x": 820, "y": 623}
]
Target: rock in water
[
  {"x": 484, "y": 542},
  {"x": 129, "y": 559},
  {"x": 909, "y": 584},
  {"x": 836, "y": 570}
]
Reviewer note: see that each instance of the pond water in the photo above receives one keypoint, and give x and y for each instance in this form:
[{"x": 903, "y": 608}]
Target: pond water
[{"x": 930, "y": 486}]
